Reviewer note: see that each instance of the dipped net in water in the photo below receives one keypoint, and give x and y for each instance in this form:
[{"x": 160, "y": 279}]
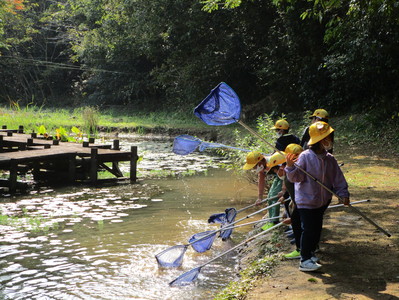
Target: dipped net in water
[
  {"x": 171, "y": 257},
  {"x": 186, "y": 278},
  {"x": 200, "y": 242}
]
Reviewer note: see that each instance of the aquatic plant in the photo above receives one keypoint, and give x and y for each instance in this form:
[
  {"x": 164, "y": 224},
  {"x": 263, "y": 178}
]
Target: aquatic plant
[{"x": 91, "y": 116}]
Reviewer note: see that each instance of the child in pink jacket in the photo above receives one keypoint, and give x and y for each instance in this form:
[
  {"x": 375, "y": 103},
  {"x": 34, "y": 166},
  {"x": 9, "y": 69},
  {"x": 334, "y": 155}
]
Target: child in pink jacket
[{"x": 311, "y": 198}]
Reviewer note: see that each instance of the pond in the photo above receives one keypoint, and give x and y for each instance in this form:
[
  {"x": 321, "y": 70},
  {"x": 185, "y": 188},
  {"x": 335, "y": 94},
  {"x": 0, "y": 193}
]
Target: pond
[{"x": 100, "y": 243}]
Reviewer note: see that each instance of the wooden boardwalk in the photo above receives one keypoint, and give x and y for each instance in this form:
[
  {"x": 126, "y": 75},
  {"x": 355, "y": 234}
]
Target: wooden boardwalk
[{"x": 52, "y": 160}]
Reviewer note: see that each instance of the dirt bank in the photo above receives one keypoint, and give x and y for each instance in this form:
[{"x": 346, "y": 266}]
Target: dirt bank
[{"x": 358, "y": 261}]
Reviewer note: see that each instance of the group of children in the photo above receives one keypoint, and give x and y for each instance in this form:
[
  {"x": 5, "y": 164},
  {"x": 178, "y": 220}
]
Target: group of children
[{"x": 303, "y": 171}]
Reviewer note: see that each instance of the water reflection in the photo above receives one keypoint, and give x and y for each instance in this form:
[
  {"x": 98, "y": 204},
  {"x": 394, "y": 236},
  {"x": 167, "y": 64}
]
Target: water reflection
[{"x": 99, "y": 243}]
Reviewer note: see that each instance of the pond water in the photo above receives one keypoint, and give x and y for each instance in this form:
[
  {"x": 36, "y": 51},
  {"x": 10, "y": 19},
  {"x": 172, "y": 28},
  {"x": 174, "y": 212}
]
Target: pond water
[{"x": 99, "y": 243}]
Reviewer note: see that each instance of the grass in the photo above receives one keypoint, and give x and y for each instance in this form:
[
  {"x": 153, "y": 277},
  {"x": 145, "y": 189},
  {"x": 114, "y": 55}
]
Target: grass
[
  {"x": 239, "y": 289},
  {"x": 32, "y": 117}
]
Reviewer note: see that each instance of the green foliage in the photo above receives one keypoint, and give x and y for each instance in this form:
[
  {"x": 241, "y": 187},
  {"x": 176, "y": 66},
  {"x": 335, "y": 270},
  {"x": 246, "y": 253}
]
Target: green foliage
[
  {"x": 280, "y": 55},
  {"x": 238, "y": 289},
  {"x": 41, "y": 130},
  {"x": 62, "y": 134},
  {"x": 250, "y": 142},
  {"x": 90, "y": 116}
]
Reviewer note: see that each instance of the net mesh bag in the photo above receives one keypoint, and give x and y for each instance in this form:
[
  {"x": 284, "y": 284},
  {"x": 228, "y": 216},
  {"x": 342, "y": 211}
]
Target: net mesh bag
[
  {"x": 202, "y": 241},
  {"x": 186, "y": 278},
  {"x": 221, "y": 107},
  {"x": 171, "y": 257},
  {"x": 185, "y": 144}
]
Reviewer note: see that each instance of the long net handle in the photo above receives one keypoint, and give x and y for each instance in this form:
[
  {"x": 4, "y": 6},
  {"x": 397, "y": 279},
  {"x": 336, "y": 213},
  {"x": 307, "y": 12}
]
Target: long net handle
[
  {"x": 235, "y": 222},
  {"x": 315, "y": 179},
  {"x": 354, "y": 202},
  {"x": 252, "y": 205},
  {"x": 274, "y": 218},
  {"x": 249, "y": 223},
  {"x": 259, "y": 211},
  {"x": 243, "y": 243}
]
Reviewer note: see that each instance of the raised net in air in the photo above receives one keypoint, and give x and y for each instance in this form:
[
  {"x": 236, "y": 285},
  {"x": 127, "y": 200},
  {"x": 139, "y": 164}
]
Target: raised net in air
[
  {"x": 171, "y": 257},
  {"x": 221, "y": 107}
]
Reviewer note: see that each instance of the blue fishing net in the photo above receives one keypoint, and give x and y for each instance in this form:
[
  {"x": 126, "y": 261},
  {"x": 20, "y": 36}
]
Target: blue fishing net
[
  {"x": 231, "y": 214},
  {"x": 171, "y": 257},
  {"x": 225, "y": 234},
  {"x": 217, "y": 218},
  {"x": 221, "y": 107},
  {"x": 202, "y": 241},
  {"x": 185, "y": 144},
  {"x": 186, "y": 278},
  {"x": 227, "y": 217}
]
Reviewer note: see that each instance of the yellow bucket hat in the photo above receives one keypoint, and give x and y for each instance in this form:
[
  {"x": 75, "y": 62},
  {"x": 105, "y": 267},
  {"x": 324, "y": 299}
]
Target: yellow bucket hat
[
  {"x": 281, "y": 124},
  {"x": 293, "y": 148},
  {"x": 276, "y": 159},
  {"x": 320, "y": 113},
  {"x": 319, "y": 131},
  {"x": 252, "y": 159}
]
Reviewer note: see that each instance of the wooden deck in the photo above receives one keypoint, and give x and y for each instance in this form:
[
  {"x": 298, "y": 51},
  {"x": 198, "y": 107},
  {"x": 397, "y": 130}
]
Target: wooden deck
[{"x": 51, "y": 160}]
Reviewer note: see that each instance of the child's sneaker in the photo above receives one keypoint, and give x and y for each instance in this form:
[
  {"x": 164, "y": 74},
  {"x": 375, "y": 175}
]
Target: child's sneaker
[
  {"x": 315, "y": 259},
  {"x": 293, "y": 255},
  {"x": 309, "y": 266},
  {"x": 267, "y": 226}
]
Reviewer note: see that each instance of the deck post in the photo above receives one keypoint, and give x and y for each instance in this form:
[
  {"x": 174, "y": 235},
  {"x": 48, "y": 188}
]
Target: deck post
[
  {"x": 21, "y": 129},
  {"x": 93, "y": 165},
  {"x": 116, "y": 145},
  {"x": 72, "y": 168},
  {"x": 115, "y": 164},
  {"x": 13, "y": 176},
  {"x": 133, "y": 164}
]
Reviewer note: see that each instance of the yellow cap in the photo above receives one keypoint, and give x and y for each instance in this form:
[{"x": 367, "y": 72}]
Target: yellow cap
[
  {"x": 276, "y": 159},
  {"x": 252, "y": 159},
  {"x": 319, "y": 131},
  {"x": 281, "y": 124},
  {"x": 293, "y": 148},
  {"x": 320, "y": 113}
]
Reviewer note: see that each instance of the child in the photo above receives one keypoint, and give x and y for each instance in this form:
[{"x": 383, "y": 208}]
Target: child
[
  {"x": 282, "y": 128},
  {"x": 318, "y": 115},
  {"x": 275, "y": 166},
  {"x": 255, "y": 160},
  {"x": 310, "y": 197},
  {"x": 290, "y": 207}
]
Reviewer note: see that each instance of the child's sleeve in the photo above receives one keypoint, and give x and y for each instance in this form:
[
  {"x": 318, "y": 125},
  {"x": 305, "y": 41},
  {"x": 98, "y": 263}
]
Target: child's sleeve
[
  {"x": 340, "y": 185},
  {"x": 293, "y": 173}
]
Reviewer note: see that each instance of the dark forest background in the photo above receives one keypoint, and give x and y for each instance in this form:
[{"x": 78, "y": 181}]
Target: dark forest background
[{"x": 279, "y": 56}]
